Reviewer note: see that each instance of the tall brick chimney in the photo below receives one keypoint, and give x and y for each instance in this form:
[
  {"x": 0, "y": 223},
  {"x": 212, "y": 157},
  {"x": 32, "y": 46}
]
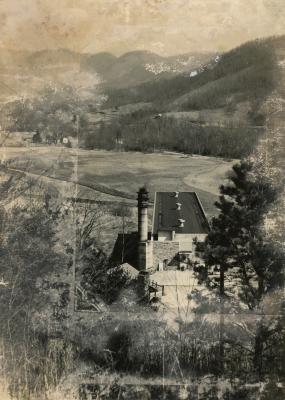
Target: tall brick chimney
[
  {"x": 142, "y": 214},
  {"x": 143, "y": 252}
]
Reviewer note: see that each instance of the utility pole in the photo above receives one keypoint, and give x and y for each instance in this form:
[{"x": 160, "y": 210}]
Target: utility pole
[
  {"x": 123, "y": 244},
  {"x": 157, "y": 117},
  {"x": 74, "y": 259}
]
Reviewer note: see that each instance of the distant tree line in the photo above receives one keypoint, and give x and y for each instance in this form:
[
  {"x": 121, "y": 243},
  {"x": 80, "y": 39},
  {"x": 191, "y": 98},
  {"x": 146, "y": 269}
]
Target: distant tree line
[
  {"x": 51, "y": 113},
  {"x": 52, "y": 116},
  {"x": 173, "y": 134}
]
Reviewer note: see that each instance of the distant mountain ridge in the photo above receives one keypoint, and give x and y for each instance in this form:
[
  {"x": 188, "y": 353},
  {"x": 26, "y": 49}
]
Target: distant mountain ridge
[
  {"x": 126, "y": 70},
  {"x": 141, "y": 66},
  {"x": 245, "y": 73}
]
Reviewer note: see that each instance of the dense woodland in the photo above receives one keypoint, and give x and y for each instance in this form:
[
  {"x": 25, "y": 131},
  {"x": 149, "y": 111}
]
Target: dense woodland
[
  {"x": 133, "y": 131},
  {"x": 173, "y": 134}
]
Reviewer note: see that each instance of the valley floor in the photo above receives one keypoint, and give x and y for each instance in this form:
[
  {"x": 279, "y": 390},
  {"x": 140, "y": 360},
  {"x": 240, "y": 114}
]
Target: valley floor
[{"x": 113, "y": 176}]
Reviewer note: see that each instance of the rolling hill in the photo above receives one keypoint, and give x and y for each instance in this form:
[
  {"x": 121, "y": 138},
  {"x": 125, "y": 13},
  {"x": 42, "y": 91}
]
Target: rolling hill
[
  {"x": 137, "y": 67},
  {"x": 27, "y": 73},
  {"x": 216, "y": 109},
  {"x": 243, "y": 73}
]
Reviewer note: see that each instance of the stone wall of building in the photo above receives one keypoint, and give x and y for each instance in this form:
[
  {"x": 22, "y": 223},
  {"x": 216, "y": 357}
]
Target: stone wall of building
[{"x": 166, "y": 250}]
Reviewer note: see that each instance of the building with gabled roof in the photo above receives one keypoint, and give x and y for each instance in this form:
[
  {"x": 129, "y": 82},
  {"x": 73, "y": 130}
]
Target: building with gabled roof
[
  {"x": 178, "y": 220},
  {"x": 178, "y": 213}
]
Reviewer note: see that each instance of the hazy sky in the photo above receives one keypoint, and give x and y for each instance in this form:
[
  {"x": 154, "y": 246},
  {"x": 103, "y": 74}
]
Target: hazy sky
[{"x": 118, "y": 26}]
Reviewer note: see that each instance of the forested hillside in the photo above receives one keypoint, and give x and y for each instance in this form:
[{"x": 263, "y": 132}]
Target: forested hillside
[
  {"x": 216, "y": 111},
  {"x": 247, "y": 72}
]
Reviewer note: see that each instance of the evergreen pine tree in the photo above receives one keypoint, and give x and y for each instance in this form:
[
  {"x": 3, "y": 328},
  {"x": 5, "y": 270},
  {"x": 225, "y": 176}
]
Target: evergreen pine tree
[{"x": 237, "y": 246}]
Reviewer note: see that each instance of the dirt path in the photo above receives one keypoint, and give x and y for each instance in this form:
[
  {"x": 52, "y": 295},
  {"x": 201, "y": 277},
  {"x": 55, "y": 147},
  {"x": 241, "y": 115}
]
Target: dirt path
[{"x": 96, "y": 186}]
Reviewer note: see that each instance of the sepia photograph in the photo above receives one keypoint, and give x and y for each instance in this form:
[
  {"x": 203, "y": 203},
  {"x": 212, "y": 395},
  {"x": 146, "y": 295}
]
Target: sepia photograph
[{"x": 142, "y": 208}]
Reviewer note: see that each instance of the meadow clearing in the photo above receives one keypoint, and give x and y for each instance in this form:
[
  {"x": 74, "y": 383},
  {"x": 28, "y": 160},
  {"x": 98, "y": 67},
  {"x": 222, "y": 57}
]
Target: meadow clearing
[{"x": 116, "y": 176}]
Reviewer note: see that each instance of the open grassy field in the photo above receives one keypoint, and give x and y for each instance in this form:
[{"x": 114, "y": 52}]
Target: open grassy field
[{"x": 116, "y": 176}]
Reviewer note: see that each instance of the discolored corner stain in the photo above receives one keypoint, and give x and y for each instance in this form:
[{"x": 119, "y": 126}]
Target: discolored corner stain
[{"x": 120, "y": 26}]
